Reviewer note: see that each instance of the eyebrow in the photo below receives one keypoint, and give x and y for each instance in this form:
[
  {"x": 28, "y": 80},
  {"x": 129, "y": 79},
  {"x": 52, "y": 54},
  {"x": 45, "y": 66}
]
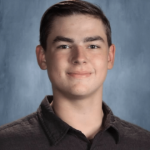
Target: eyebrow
[
  {"x": 62, "y": 38},
  {"x": 87, "y": 39},
  {"x": 94, "y": 38}
]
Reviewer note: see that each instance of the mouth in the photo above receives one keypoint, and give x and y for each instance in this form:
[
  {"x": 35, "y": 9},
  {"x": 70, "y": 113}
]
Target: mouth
[{"x": 79, "y": 74}]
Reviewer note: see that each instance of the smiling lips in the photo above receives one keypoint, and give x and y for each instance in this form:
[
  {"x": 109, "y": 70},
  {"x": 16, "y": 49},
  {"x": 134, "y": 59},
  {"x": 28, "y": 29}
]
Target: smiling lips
[{"x": 79, "y": 74}]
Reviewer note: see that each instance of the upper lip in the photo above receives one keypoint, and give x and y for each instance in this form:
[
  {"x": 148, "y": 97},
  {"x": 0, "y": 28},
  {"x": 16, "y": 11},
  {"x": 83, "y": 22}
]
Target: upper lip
[{"x": 79, "y": 72}]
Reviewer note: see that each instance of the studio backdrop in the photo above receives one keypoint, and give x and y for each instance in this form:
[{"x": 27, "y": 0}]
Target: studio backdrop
[{"x": 23, "y": 84}]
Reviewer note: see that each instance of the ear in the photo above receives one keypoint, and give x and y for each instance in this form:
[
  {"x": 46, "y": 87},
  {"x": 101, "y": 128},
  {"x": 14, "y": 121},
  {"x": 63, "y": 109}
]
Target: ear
[
  {"x": 111, "y": 56},
  {"x": 41, "y": 59}
]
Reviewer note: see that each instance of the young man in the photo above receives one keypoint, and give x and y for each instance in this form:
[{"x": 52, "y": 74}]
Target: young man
[{"x": 76, "y": 49}]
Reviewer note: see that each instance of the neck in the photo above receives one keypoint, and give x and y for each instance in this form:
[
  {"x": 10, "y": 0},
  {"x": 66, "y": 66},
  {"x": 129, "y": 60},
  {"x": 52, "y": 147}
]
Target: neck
[{"x": 84, "y": 114}]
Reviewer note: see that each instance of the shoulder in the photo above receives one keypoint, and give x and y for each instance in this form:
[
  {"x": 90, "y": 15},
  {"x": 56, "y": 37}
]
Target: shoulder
[
  {"x": 132, "y": 134},
  {"x": 18, "y": 124},
  {"x": 130, "y": 128},
  {"x": 20, "y": 132}
]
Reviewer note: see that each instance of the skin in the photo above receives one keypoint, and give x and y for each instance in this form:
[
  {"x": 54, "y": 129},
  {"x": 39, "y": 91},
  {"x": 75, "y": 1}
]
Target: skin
[{"x": 77, "y": 70}]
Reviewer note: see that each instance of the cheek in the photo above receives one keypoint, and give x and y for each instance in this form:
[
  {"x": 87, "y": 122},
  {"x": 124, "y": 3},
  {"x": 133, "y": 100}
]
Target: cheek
[
  {"x": 100, "y": 67},
  {"x": 55, "y": 66},
  {"x": 100, "y": 62}
]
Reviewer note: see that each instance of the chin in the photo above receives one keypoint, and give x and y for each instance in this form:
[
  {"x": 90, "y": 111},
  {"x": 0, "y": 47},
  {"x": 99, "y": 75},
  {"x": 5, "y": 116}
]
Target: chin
[{"x": 79, "y": 92}]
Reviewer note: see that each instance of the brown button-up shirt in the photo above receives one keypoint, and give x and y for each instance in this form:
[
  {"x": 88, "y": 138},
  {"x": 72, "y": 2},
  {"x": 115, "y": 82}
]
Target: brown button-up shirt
[{"x": 43, "y": 130}]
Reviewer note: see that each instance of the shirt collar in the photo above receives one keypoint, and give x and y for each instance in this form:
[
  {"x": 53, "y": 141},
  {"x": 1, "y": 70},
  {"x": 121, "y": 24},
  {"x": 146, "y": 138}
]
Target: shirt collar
[
  {"x": 110, "y": 123},
  {"x": 56, "y": 129}
]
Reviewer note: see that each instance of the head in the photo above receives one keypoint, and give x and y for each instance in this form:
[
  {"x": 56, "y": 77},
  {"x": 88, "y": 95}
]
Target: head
[
  {"x": 75, "y": 48},
  {"x": 68, "y": 8}
]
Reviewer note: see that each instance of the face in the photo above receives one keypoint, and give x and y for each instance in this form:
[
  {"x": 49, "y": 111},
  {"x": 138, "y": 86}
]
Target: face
[{"x": 77, "y": 55}]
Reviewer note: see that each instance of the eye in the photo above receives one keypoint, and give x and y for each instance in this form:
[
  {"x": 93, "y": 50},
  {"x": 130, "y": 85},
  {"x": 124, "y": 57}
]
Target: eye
[
  {"x": 94, "y": 46},
  {"x": 63, "y": 46}
]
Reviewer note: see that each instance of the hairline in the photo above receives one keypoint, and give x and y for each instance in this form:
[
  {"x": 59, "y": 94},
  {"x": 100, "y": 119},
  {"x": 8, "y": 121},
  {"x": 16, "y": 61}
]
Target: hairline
[{"x": 75, "y": 13}]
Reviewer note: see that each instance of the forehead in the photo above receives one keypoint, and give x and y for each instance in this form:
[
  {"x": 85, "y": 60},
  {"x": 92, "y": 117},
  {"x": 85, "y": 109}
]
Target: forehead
[{"x": 77, "y": 26}]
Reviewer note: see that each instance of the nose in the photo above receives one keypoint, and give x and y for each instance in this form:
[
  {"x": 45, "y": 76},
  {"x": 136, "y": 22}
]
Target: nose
[{"x": 79, "y": 55}]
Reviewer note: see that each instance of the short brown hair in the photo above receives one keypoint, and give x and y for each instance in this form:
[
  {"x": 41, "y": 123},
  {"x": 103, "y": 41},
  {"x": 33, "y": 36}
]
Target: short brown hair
[{"x": 71, "y": 7}]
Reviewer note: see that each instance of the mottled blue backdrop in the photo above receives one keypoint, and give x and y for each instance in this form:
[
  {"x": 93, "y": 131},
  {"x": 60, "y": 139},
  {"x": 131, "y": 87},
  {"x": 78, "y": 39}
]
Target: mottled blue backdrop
[{"x": 23, "y": 85}]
